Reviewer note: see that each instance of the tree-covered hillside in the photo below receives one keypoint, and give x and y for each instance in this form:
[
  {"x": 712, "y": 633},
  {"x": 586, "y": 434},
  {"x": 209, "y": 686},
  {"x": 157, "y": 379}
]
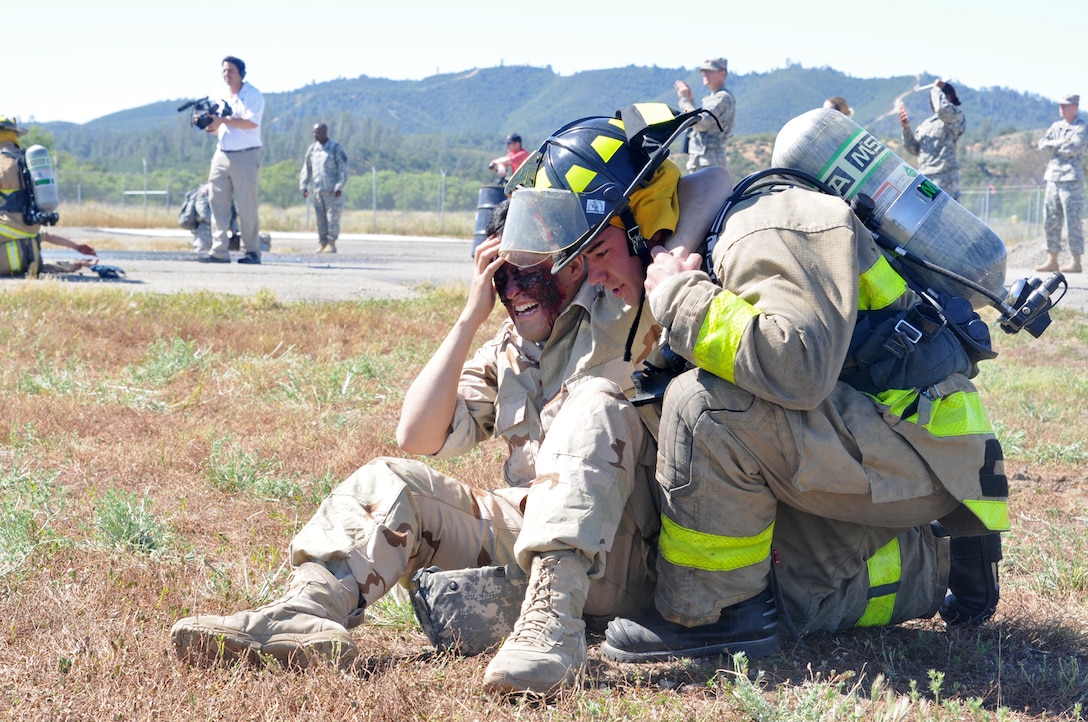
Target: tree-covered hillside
[{"x": 448, "y": 126}]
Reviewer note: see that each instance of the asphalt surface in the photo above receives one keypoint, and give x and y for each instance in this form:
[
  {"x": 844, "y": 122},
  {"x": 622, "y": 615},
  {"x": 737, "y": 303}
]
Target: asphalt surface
[{"x": 366, "y": 266}]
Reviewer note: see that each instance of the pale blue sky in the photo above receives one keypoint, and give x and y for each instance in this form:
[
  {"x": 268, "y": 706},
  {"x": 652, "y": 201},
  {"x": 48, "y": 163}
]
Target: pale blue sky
[{"x": 81, "y": 60}]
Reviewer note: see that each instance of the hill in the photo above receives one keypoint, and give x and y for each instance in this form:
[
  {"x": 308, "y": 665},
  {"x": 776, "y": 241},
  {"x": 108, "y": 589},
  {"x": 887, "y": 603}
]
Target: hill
[{"x": 425, "y": 144}]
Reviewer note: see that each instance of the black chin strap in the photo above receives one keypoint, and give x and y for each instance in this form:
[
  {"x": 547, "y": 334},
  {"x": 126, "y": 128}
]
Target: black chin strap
[
  {"x": 636, "y": 246},
  {"x": 634, "y": 326}
]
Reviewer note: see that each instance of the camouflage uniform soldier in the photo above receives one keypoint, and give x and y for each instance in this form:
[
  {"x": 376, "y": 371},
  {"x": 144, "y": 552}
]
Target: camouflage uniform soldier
[
  {"x": 934, "y": 141},
  {"x": 706, "y": 142},
  {"x": 579, "y": 470},
  {"x": 1065, "y": 141},
  {"x": 327, "y": 165}
]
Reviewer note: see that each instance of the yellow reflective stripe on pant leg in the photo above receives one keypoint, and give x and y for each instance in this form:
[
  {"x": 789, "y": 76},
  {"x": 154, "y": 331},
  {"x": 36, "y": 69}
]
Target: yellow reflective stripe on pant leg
[
  {"x": 719, "y": 338},
  {"x": 698, "y": 550},
  {"x": 885, "y": 570},
  {"x": 15, "y": 260}
]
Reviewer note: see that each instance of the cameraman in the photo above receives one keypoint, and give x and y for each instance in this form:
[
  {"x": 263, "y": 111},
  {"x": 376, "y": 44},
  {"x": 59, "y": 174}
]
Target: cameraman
[
  {"x": 20, "y": 242},
  {"x": 235, "y": 166}
]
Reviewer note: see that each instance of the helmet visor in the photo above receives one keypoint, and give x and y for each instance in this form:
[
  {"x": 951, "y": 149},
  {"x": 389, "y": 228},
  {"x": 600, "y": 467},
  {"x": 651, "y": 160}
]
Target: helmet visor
[{"x": 541, "y": 222}]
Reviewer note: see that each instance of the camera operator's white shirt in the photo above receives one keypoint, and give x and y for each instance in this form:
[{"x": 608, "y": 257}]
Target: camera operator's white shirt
[{"x": 248, "y": 104}]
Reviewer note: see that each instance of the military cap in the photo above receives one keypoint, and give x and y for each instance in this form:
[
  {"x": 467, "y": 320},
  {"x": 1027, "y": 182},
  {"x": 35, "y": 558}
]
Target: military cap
[
  {"x": 1070, "y": 99},
  {"x": 715, "y": 64}
]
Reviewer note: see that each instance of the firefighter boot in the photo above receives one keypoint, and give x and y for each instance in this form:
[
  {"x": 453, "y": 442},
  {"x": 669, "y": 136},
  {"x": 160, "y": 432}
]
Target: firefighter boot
[
  {"x": 547, "y": 647},
  {"x": 1050, "y": 265},
  {"x": 750, "y": 626},
  {"x": 1073, "y": 267},
  {"x": 973, "y": 588},
  {"x": 304, "y": 624}
]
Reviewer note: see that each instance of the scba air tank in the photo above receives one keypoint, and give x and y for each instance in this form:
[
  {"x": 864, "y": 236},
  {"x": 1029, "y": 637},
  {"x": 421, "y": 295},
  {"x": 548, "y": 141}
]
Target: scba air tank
[
  {"x": 910, "y": 209},
  {"x": 40, "y": 167}
]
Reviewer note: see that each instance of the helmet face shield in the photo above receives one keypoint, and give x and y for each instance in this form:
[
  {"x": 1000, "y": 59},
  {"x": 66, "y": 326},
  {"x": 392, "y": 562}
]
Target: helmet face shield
[{"x": 541, "y": 223}]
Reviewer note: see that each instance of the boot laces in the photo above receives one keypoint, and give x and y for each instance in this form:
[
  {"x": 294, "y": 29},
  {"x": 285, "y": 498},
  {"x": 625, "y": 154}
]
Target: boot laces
[{"x": 539, "y": 614}]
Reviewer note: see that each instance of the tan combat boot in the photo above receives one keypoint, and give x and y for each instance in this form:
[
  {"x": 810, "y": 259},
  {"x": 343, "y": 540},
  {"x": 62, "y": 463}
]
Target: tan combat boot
[
  {"x": 321, "y": 247},
  {"x": 305, "y": 623},
  {"x": 1050, "y": 265},
  {"x": 330, "y": 247},
  {"x": 1073, "y": 267},
  {"x": 547, "y": 647}
]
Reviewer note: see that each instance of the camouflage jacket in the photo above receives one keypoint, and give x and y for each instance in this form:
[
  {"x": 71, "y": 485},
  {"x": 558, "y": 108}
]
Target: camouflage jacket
[
  {"x": 326, "y": 165},
  {"x": 704, "y": 138},
  {"x": 513, "y": 390},
  {"x": 934, "y": 140},
  {"x": 1066, "y": 143}
]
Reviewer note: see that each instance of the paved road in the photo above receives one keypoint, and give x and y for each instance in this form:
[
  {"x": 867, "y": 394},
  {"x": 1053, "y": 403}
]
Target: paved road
[{"x": 366, "y": 267}]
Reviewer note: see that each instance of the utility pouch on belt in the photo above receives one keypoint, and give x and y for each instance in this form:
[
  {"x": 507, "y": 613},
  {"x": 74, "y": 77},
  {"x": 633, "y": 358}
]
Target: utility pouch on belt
[
  {"x": 911, "y": 349},
  {"x": 468, "y": 610}
]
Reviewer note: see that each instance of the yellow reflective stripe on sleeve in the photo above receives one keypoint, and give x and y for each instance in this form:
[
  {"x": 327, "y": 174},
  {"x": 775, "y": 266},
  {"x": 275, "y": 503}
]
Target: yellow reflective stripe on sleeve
[
  {"x": 994, "y": 514},
  {"x": 885, "y": 569},
  {"x": 15, "y": 234},
  {"x": 698, "y": 550},
  {"x": 721, "y": 334},
  {"x": 879, "y": 286}
]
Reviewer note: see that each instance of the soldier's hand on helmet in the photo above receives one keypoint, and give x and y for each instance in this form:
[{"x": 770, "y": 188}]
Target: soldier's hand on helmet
[
  {"x": 667, "y": 264},
  {"x": 481, "y": 292}
]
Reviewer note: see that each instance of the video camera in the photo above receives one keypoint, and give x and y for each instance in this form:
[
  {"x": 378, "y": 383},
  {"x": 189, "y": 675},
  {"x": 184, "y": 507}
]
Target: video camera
[{"x": 205, "y": 111}]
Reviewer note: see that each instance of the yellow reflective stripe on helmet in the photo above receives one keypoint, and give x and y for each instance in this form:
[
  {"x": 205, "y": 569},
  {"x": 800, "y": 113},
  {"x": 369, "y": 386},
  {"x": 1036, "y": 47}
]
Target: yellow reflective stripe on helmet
[
  {"x": 698, "y": 550},
  {"x": 879, "y": 286},
  {"x": 994, "y": 514},
  {"x": 885, "y": 570},
  {"x": 719, "y": 338},
  {"x": 606, "y": 147},
  {"x": 578, "y": 177},
  {"x": 654, "y": 113}
]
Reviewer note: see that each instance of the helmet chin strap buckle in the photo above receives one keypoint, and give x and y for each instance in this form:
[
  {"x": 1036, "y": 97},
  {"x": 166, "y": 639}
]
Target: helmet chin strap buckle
[{"x": 636, "y": 243}]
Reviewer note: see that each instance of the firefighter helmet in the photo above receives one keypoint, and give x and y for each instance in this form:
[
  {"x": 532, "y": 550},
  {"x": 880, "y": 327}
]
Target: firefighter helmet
[{"x": 7, "y": 123}]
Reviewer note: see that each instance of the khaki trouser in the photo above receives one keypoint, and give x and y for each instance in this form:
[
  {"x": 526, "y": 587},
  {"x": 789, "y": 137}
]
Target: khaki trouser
[
  {"x": 592, "y": 494},
  {"x": 726, "y": 462},
  {"x": 234, "y": 176}
]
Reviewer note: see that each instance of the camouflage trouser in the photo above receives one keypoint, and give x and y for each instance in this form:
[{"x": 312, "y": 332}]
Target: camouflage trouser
[
  {"x": 592, "y": 494},
  {"x": 948, "y": 181},
  {"x": 729, "y": 466},
  {"x": 202, "y": 237},
  {"x": 327, "y": 208},
  {"x": 1064, "y": 201}
]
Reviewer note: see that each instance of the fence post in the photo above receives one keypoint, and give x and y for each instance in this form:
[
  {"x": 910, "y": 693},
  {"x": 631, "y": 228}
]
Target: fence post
[{"x": 373, "y": 199}]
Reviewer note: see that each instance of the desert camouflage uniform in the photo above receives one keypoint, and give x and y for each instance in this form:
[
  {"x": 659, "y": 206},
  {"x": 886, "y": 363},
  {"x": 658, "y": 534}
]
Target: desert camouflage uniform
[
  {"x": 768, "y": 449},
  {"x": 327, "y": 166},
  {"x": 20, "y": 250},
  {"x": 1064, "y": 176},
  {"x": 579, "y": 471},
  {"x": 934, "y": 142},
  {"x": 706, "y": 144}
]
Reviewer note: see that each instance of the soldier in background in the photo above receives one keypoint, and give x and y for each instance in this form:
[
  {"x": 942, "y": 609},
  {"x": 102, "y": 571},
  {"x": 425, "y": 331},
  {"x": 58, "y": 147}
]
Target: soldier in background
[
  {"x": 326, "y": 164},
  {"x": 1065, "y": 141},
  {"x": 706, "y": 141},
  {"x": 934, "y": 141}
]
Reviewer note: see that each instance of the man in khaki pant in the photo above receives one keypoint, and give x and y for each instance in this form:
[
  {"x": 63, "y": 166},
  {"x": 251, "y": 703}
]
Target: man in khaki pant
[{"x": 576, "y": 514}]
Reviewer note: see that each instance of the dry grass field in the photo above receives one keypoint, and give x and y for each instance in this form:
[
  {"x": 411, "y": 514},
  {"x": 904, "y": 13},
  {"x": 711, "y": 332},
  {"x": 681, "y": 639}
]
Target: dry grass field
[{"x": 157, "y": 453}]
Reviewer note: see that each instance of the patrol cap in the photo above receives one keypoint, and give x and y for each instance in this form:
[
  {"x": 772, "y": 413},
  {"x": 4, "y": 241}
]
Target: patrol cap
[
  {"x": 1070, "y": 99},
  {"x": 7, "y": 123},
  {"x": 513, "y": 138},
  {"x": 715, "y": 64}
]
